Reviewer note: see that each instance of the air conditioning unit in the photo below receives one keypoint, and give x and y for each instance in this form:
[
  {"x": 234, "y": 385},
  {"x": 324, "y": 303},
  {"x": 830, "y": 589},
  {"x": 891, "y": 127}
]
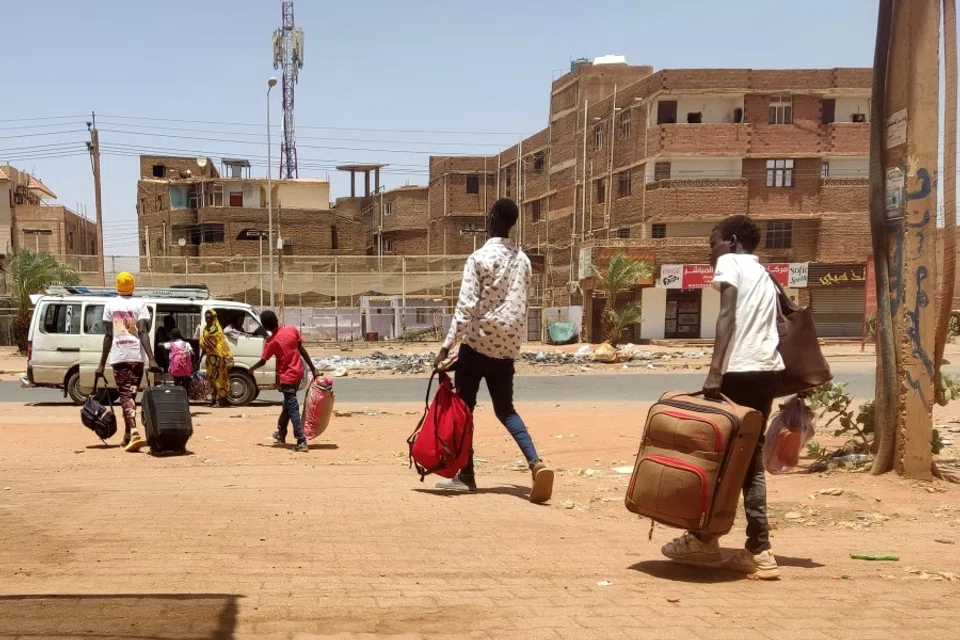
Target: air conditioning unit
[{"x": 573, "y": 287}]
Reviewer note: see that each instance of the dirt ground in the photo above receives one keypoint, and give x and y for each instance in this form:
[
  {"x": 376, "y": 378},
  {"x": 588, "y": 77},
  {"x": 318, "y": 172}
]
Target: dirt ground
[{"x": 241, "y": 539}]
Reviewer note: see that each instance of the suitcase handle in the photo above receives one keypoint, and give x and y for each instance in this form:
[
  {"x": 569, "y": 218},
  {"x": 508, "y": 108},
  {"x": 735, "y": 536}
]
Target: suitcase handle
[{"x": 723, "y": 398}]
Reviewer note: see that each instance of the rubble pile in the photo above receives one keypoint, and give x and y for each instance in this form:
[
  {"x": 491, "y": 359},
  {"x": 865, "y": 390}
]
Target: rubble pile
[
  {"x": 339, "y": 366},
  {"x": 606, "y": 353}
]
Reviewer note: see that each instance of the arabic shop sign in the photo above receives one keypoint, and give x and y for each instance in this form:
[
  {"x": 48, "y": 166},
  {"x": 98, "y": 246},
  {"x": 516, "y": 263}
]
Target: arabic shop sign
[
  {"x": 837, "y": 275},
  {"x": 700, "y": 276}
]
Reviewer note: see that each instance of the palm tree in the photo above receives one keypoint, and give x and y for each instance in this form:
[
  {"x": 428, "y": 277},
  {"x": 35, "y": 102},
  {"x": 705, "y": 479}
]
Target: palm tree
[
  {"x": 29, "y": 273},
  {"x": 621, "y": 274}
]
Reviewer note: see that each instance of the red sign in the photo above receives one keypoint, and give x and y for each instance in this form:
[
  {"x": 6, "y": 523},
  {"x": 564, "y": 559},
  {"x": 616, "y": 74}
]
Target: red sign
[
  {"x": 781, "y": 272},
  {"x": 869, "y": 299},
  {"x": 870, "y": 288},
  {"x": 697, "y": 276}
]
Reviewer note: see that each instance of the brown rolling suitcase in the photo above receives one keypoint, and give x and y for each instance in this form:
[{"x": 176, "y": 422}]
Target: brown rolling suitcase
[{"x": 692, "y": 462}]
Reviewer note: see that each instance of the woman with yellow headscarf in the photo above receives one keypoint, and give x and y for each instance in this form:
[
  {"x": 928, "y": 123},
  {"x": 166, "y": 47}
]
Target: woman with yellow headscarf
[{"x": 214, "y": 346}]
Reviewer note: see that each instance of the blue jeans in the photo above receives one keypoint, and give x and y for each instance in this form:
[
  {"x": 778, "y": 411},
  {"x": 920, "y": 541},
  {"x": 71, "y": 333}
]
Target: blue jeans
[
  {"x": 471, "y": 368},
  {"x": 290, "y": 413}
]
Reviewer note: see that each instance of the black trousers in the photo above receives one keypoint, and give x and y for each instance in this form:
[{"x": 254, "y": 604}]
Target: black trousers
[{"x": 756, "y": 390}]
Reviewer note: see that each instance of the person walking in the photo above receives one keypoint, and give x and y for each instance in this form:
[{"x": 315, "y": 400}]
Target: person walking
[
  {"x": 214, "y": 347},
  {"x": 286, "y": 345},
  {"x": 746, "y": 369},
  {"x": 491, "y": 317},
  {"x": 126, "y": 338}
]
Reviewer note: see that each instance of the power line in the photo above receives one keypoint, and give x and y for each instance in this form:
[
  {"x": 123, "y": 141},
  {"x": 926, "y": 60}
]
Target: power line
[{"x": 249, "y": 124}]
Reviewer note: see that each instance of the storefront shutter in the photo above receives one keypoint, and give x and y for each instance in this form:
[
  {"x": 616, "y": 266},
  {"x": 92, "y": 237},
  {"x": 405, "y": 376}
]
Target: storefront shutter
[{"x": 838, "y": 313}]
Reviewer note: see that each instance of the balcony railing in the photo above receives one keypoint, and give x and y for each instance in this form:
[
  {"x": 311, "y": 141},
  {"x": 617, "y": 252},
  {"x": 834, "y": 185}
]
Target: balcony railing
[
  {"x": 645, "y": 243},
  {"x": 697, "y": 183},
  {"x": 846, "y": 182}
]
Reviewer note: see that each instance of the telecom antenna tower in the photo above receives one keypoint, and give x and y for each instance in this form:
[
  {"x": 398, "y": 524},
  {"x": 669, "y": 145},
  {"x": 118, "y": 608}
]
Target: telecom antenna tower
[{"x": 288, "y": 56}]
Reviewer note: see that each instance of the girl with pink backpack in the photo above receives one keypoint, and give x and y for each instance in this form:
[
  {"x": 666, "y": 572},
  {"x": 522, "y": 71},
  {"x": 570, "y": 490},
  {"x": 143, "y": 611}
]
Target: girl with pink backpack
[{"x": 181, "y": 359}]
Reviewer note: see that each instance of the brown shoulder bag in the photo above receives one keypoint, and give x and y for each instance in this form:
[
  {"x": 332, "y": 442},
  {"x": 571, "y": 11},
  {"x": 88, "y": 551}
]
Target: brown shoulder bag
[{"x": 805, "y": 367}]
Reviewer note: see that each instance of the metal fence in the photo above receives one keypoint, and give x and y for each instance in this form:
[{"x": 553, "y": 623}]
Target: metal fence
[{"x": 340, "y": 298}]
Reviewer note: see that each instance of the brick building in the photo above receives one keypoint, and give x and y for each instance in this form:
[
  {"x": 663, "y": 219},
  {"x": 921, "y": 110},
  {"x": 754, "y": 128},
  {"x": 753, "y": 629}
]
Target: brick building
[
  {"x": 26, "y": 220},
  {"x": 214, "y": 215},
  {"x": 647, "y": 162}
]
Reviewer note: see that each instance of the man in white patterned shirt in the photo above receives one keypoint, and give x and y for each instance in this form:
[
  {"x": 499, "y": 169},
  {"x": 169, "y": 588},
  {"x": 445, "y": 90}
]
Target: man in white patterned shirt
[{"x": 491, "y": 317}]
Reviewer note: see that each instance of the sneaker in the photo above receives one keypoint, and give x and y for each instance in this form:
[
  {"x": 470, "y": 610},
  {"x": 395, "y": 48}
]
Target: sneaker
[
  {"x": 278, "y": 438},
  {"x": 542, "y": 483},
  {"x": 136, "y": 443},
  {"x": 761, "y": 566},
  {"x": 303, "y": 446},
  {"x": 457, "y": 483},
  {"x": 688, "y": 549}
]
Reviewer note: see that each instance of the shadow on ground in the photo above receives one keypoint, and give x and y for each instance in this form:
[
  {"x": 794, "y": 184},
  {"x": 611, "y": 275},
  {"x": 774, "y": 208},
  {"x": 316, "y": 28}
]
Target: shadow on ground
[{"x": 108, "y": 617}]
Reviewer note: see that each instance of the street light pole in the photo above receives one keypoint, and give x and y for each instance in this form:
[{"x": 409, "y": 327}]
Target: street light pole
[
  {"x": 271, "y": 83},
  {"x": 260, "y": 237}
]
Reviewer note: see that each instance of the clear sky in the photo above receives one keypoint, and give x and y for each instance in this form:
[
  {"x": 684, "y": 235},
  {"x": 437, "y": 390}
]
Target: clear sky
[{"x": 383, "y": 80}]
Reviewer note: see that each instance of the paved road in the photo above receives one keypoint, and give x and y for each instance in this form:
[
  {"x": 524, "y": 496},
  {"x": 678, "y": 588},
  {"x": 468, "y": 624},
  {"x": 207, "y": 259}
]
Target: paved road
[{"x": 599, "y": 388}]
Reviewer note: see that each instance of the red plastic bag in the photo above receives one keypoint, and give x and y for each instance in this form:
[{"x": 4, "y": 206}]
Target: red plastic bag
[
  {"x": 442, "y": 440},
  {"x": 789, "y": 432},
  {"x": 317, "y": 407}
]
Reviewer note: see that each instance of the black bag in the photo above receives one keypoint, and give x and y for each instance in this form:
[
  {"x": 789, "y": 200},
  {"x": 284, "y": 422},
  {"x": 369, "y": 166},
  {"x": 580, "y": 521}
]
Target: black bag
[
  {"x": 98, "y": 418},
  {"x": 166, "y": 417}
]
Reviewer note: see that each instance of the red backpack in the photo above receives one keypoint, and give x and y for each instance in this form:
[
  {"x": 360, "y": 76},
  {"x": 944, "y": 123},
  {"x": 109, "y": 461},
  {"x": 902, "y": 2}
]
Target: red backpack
[{"x": 442, "y": 440}]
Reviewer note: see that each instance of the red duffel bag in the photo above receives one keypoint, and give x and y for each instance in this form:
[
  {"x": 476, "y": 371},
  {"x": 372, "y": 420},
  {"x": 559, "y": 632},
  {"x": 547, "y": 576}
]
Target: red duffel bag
[{"x": 442, "y": 440}]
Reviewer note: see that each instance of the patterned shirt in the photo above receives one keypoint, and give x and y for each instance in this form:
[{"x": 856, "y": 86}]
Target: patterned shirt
[{"x": 491, "y": 313}]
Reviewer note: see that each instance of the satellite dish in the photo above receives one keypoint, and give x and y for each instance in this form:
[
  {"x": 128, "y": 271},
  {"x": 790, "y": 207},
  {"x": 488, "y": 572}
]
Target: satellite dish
[
  {"x": 201, "y": 162},
  {"x": 182, "y": 242}
]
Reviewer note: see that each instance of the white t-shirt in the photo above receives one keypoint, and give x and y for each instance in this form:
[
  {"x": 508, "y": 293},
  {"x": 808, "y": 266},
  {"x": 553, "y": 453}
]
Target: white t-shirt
[
  {"x": 755, "y": 339},
  {"x": 123, "y": 314}
]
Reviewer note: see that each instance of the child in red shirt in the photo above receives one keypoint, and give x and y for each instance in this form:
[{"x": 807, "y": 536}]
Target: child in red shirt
[{"x": 286, "y": 344}]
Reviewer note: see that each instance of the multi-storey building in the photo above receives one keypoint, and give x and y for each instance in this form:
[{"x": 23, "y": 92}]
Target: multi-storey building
[
  {"x": 26, "y": 220},
  {"x": 648, "y": 162},
  {"x": 187, "y": 209}
]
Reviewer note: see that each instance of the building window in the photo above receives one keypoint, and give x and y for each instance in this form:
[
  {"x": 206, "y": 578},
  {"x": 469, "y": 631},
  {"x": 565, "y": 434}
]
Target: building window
[
  {"x": 536, "y": 210},
  {"x": 667, "y": 112},
  {"x": 236, "y": 198},
  {"x": 388, "y": 208},
  {"x": 539, "y": 160},
  {"x": 624, "y": 124},
  {"x": 598, "y": 137},
  {"x": 213, "y": 234},
  {"x": 159, "y": 203},
  {"x": 421, "y": 315},
  {"x": 780, "y": 234},
  {"x": 824, "y": 169},
  {"x": 159, "y": 171},
  {"x": 828, "y": 111},
  {"x": 623, "y": 233},
  {"x": 334, "y": 239},
  {"x": 388, "y": 245},
  {"x": 471, "y": 227},
  {"x": 143, "y": 206},
  {"x": 601, "y": 191},
  {"x": 508, "y": 177},
  {"x": 70, "y": 240},
  {"x": 661, "y": 171},
  {"x": 624, "y": 184},
  {"x": 215, "y": 196},
  {"x": 779, "y": 173},
  {"x": 473, "y": 184},
  {"x": 781, "y": 111},
  {"x": 658, "y": 231}
]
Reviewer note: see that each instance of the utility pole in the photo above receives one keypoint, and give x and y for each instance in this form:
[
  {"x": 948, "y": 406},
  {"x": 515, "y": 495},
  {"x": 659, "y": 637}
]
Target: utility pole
[
  {"x": 282, "y": 301},
  {"x": 94, "y": 148},
  {"x": 909, "y": 125}
]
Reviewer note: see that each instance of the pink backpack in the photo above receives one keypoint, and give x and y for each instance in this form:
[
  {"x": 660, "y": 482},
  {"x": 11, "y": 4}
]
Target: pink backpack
[{"x": 181, "y": 364}]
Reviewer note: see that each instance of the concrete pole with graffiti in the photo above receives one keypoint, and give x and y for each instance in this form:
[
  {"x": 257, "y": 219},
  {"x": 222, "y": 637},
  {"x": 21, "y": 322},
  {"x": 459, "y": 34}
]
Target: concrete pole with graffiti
[{"x": 910, "y": 161}]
